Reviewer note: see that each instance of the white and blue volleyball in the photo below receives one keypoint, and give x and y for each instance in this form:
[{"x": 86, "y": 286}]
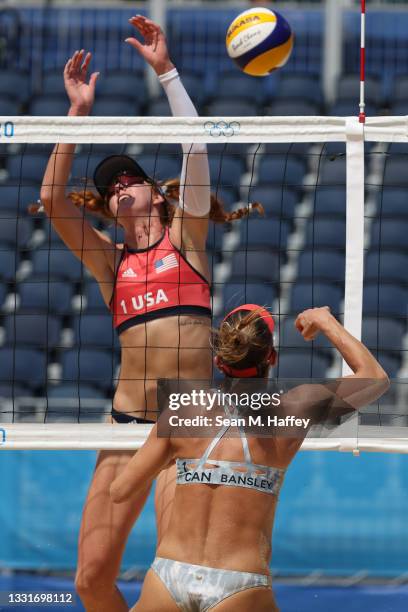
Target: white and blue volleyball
[{"x": 259, "y": 41}]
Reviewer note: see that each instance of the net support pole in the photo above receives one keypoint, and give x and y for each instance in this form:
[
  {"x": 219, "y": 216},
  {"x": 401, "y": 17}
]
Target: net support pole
[
  {"x": 353, "y": 301},
  {"x": 362, "y": 116}
]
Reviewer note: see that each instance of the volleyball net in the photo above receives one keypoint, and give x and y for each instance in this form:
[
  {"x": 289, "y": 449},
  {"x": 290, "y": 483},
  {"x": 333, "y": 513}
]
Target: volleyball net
[{"x": 333, "y": 233}]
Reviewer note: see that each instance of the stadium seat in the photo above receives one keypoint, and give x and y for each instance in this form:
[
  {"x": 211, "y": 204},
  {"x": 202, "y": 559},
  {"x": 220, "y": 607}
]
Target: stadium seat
[
  {"x": 38, "y": 296},
  {"x": 399, "y": 108},
  {"x": 255, "y": 266},
  {"x": 384, "y": 334},
  {"x": 226, "y": 170},
  {"x": 291, "y": 338},
  {"x": 27, "y": 167},
  {"x": 95, "y": 331},
  {"x": 235, "y": 294},
  {"x": 231, "y": 108},
  {"x": 269, "y": 234},
  {"x": 277, "y": 202},
  {"x": 123, "y": 84},
  {"x": 3, "y": 293},
  {"x": 239, "y": 86},
  {"x": 227, "y": 195},
  {"x": 41, "y": 331},
  {"x": 389, "y": 234},
  {"x": 307, "y": 295},
  {"x": 390, "y": 363},
  {"x": 115, "y": 107},
  {"x": 391, "y": 202},
  {"x": 348, "y": 88},
  {"x": 15, "y": 84},
  {"x": 388, "y": 266},
  {"x": 300, "y": 88},
  {"x": 350, "y": 108},
  {"x": 9, "y": 106},
  {"x": 15, "y": 232},
  {"x": 301, "y": 364},
  {"x": 400, "y": 92},
  {"x": 395, "y": 172},
  {"x": 329, "y": 201},
  {"x": 281, "y": 170},
  {"x": 158, "y": 108},
  {"x": 93, "y": 297},
  {"x": 83, "y": 166},
  {"x": 81, "y": 403},
  {"x": 161, "y": 166},
  {"x": 16, "y": 197},
  {"x": 49, "y": 106},
  {"x": 332, "y": 171},
  {"x": 215, "y": 237},
  {"x": 57, "y": 264},
  {"x": 287, "y": 108},
  {"x": 386, "y": 300},
  {"x": 324, "y": 233},
  {"x": 291, "y": 149},
  {"x": 321, "y": 265},
  {"x": 88, "y": 366},
  {"x": 53, "y": 83},
  {"x": 23, "y": 366},
  {"x": 9, "y": 263}
]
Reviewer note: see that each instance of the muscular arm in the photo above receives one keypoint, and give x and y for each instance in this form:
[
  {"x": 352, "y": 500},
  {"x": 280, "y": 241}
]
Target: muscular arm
[{"x": 144, "y": 466}]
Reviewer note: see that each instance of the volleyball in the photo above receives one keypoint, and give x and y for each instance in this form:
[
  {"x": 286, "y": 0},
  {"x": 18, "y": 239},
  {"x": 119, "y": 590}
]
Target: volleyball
[{"x": 259, "y": 41}]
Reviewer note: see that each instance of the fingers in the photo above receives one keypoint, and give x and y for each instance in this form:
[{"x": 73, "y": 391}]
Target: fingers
[{"x": 134, "y": 43}]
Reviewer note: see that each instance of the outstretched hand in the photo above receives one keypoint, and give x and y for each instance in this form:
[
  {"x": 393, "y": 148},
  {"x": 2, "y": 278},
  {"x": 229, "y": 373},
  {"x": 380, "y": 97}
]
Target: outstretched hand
[
  {"x": 154, "y": 46},
  {"x": 310, "y": 322},
  {"x": 80, "y": 90}
]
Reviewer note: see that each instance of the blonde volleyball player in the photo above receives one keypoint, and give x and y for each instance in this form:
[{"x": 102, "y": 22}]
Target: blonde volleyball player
[
  {"x": 156, "y": 286},
  {"x": 215, "y": 555}
]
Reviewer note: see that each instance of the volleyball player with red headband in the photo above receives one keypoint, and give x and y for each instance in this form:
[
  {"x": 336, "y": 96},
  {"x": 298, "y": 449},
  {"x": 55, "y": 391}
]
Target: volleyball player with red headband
[
  {"x": 216, "y": 553},
  {"x": 156, "y": 286}
]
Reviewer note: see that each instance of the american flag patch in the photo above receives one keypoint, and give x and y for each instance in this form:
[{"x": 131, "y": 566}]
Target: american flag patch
[{"x": 170, "y": 261}]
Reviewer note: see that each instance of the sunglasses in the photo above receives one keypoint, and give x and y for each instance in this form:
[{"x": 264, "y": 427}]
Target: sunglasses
[{"x": 123, "y": 180}]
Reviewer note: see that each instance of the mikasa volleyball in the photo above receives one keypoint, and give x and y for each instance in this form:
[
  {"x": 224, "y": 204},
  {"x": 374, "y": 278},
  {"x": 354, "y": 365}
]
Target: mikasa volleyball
[{"x": 259, "y": 41}]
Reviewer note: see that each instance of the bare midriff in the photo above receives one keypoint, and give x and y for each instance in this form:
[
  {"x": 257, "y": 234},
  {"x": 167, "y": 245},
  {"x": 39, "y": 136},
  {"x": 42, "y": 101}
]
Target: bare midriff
[{"x": 167, "y": 347}]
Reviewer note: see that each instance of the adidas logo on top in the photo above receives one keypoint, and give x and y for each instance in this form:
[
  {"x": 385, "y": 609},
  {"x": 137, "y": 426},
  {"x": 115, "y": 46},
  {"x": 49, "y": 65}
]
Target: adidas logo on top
[{"x": 129, "y": 273}]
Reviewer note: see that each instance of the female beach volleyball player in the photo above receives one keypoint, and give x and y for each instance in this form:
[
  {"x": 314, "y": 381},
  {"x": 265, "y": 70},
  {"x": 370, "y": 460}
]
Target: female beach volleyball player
[
  {"x": 156, "y": 286},
  {"x": 216, "y": 551}
]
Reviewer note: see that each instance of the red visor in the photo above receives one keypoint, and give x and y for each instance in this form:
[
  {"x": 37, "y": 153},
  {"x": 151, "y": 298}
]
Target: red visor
[{"x": 253, "y": 371}]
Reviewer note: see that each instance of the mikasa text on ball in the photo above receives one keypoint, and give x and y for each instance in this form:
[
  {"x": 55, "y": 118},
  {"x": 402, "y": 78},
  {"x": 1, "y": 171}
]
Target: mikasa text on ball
[{"x": 259, "y": 41}]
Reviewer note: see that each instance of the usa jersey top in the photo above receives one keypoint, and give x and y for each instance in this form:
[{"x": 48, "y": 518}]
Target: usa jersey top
[
  {"x": 246, "y": 474},
  {"x": 156, "y": 282}
]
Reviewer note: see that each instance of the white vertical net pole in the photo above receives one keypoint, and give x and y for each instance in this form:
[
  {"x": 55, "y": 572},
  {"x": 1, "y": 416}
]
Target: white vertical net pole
[{"x": 333, "y": 47}]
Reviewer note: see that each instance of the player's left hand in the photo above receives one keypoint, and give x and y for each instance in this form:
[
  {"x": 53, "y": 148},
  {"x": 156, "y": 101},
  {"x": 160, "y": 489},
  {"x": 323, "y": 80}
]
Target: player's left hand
[
  {"x": 154, "y": 45},
  {"x": 310, "y": 322}
]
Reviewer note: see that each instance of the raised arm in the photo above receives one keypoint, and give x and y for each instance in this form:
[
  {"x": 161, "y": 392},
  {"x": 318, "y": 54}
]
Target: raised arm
[
  {"x": 84, "y": 241},
  {"x": 144, "y": 466},
  {"x": 195, "y": 175}
]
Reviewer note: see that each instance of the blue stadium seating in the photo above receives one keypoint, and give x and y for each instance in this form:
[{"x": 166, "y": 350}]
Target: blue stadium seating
[
  {"x": 299, "y": 87},
  {"x": 400, "y": 90},
  {"x": 326, "y": 233},
  {"x": 49, "y": 106},
  {"x": 53, "y": 83},
  {"x": 42, "y": 331},
  {"x": 395, "y": 172},
  {"x": 231, "y": 108},
  {"x": 348, "y": 88},
  {"x": 227, "y": 195},
  {"x": 270, "y": 234},
  {"x": 234, "y": 294},
  {"x": 16, "y": 197},
  {"x": 383, "y": 333},
  {"x": 9, "y": 106},
  {"x": 290, "y": 338},
  {"x": 321, "y": 265},
  {"x": 277, "y": 202},
  {"x": 255, "y": 265},
  {"x": 238, "y": 86},
  {"x": 38, "y": 296},
  {"x": 350, "y": 108},
  {"x": 307, "y": 295},
  {"x": 115, "y": 107},
  {"x": 87, "y": 366},
  {"x": 86, "y": 403},
  {"x": 385, "y": 300},
  {"x": 57, "y": 264},
  {"x": 329, "y": 201},
  {"x": 390, "y": 363},
  {"x": 281, "y": 170},
  {"x": 24, "y": 366},
  {"x": 158, "y": 108},
  {"x": 160, "y": 166},
  {"x": 26, "y": 167},
  {"x": 295, "y": 108},
  {"x": 332, "y": 171},
  {"x": 83, "y": 166},
  {"x": 15, "y": 83},
  {"x": 95, "y": 331},
  {"x": 399, "y": 108},
  {"x": 392, "y": 203},
  {"x": 388, "y": 266},
  {"x": 15, "y": 232},
  {"x": 225, "y": 170},
  {"x": 301, "y": 364},
  {"x": 214, "y": 238},
  {"x": 123, "y": 84},
  {"x": 9, "y": 262},
  {"x": 390, "y": 234},
  {"x": 94, "y": 300},
  {"x": 292, "y": 149},
  {"x": 3, "y": 293}
]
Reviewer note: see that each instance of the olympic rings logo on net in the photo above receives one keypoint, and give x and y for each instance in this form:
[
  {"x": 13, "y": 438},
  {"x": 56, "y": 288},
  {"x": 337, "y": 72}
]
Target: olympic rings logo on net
[{"x": 222, "y": 128}]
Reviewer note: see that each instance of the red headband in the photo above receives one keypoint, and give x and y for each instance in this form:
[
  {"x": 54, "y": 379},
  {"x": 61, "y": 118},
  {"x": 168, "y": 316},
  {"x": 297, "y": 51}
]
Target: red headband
[{"x": 266, "y": 316}]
